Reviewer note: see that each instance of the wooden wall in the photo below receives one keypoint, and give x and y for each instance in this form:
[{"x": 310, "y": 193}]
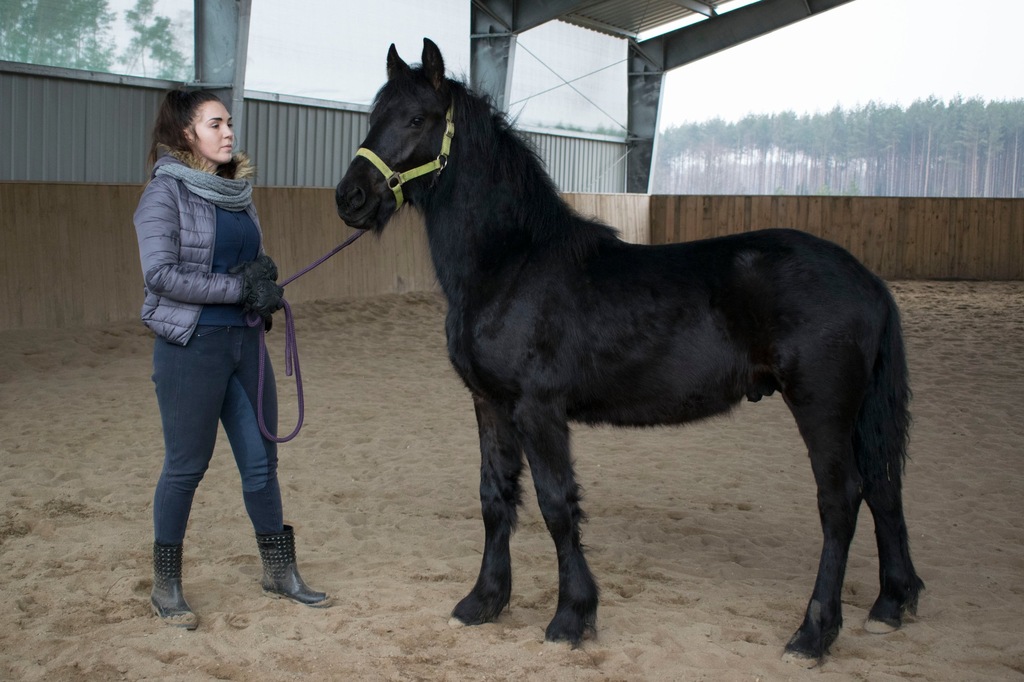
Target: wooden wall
[
  {"x": 898, "y": 238},
  {"x": 629, "y": 213},
  {"x": 69, "y": 256}
]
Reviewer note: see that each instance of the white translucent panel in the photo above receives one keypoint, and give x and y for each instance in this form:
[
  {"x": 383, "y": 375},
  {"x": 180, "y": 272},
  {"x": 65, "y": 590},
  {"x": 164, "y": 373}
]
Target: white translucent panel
[
  {"x": 570, "y": 77},
  {"x": 337, "y": 49}
]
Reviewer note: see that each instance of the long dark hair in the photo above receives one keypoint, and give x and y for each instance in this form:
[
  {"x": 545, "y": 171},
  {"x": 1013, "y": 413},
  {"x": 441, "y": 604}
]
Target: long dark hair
[{"x": 176, "y": 115}]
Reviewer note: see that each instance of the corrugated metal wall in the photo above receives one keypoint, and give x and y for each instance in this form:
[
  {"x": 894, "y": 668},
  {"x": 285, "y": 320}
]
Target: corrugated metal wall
[
  {"x": 298, "y": 145},
  {"x": 63, "y": 130},
  {"x": 583, "y": 165},
  {"x": 55, "y": 129}
]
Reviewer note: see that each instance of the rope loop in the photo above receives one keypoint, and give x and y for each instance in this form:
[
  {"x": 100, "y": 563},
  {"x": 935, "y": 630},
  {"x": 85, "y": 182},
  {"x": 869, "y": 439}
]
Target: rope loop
[{"x": 291, "y": 349}]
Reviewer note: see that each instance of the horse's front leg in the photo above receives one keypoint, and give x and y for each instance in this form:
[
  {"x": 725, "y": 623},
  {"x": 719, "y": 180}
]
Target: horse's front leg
[
  {"x": 545, "y": 435},
  {"x": 501, "y": 462}
]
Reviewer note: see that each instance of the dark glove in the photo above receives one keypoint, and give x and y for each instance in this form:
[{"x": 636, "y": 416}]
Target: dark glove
[
  {"x": 260, "y": 293},
  {"x": 262, "y": 296},
  {"x": 262, "y": 267}
]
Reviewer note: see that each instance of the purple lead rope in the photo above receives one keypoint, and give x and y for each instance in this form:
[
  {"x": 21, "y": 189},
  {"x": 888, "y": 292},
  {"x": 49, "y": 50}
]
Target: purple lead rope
[{"x": 291, "y": 349}]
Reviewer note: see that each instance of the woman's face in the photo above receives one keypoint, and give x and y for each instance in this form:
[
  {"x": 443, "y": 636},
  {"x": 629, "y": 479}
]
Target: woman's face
[{"x": 211, "y": 135}]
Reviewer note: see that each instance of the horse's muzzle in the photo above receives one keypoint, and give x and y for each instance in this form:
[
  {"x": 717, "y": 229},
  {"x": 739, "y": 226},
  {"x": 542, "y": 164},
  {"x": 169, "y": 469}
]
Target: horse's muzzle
[{"x": 355, "y": 207}]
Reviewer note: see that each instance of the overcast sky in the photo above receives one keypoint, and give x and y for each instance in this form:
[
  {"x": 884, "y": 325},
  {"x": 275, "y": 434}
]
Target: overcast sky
[{"x": 890, "y": 51}]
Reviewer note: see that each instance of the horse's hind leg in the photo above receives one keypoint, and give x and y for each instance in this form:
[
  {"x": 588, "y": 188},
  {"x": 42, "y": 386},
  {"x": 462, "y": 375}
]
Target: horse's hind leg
[
  {"x": 545, "y": 434},
  {"x": 900, "y": 585},
  {"x": 501, "y": 462},
  {"x": 839, "y": 495}
]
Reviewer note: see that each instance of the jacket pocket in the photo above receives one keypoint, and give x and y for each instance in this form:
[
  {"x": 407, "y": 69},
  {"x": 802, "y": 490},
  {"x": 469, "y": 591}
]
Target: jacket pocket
[{"x": 210, "y": 329}]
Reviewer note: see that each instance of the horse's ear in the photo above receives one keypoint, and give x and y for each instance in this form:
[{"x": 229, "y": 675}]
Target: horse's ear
[
  {"x": 396, "y": 66},
  {"x": 433, "y": 63}
]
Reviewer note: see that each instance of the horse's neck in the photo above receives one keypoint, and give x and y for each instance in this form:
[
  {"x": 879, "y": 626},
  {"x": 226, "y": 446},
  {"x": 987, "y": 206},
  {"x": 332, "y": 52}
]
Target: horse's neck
[
  {"x": 471, "y": 232},
  {"x": 453, "y": 261},
  {"x": 484, "y": 215}
]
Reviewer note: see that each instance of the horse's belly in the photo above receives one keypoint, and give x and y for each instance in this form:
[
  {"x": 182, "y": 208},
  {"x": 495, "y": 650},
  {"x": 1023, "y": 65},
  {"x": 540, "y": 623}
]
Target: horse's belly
[{"x": 642, "y": 408}]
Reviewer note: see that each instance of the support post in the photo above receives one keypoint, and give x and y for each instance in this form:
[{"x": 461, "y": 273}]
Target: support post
[
  {"x": 492, "y": 52},
  {"x": 646, "y": 77},
  {"x": 222, "y": 43}
]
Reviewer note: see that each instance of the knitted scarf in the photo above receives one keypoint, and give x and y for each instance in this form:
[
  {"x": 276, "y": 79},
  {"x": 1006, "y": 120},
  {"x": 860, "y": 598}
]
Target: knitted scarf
[{"x": 229, "y": 194}]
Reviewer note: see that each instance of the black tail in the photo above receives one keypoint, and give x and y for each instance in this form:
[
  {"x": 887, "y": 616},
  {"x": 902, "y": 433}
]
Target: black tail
[{"x": 883, "y": 424}]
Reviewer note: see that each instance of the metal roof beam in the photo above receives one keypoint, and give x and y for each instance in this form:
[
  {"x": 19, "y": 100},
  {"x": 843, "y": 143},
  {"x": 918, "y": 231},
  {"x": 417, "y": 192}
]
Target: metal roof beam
[
  {"x": 517, "y": 16},
  {"x": 696, "y": 41},
  {"x": 600, "y": 26},
  {"x": 705, "y": 8}
]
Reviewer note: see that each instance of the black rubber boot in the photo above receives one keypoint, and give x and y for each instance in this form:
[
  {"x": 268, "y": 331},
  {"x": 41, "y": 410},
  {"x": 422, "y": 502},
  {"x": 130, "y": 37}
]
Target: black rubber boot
[
  {"x": 167, "y": 599},
  {"x": 280, "y": 574}
]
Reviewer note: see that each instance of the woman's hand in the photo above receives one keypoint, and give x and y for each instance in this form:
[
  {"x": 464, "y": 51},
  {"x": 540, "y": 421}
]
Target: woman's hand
[{"x": 260, "y": 292}]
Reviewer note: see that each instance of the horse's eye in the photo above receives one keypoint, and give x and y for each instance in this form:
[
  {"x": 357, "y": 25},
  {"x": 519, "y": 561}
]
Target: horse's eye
[{"x": 416, "y": 122}]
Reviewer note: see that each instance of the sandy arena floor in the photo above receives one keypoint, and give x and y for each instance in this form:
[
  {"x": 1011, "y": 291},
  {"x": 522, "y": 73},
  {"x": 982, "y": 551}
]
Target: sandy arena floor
[{"x": 704, "y": 539}]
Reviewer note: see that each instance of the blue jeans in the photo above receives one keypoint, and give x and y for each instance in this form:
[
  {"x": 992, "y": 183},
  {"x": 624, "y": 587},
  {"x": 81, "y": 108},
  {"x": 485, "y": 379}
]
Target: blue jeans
[{"x": 214, "y": 379}]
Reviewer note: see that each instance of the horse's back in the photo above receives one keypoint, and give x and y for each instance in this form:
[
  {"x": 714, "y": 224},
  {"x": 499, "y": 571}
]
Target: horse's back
[
  {"x": 785, "y": 257},
  {"x": 763, "y": 284}
]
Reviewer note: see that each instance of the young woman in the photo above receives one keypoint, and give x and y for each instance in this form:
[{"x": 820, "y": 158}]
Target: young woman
[{"x": 206, "y": 277}]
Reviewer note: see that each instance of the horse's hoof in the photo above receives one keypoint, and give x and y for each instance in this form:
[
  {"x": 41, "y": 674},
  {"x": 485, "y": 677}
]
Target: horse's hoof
[
  {"x": 801, "y": 660},
  {"x": 563, "y": 635},
  {"x": 807, "y": 650},
  {"x": 473, "y": 611},
  {"x": 880, "y": 627},
  {"x": 567, "y": 630},
  {"x": 454, "y": 623},
  {"x": 573, "y": 643}
]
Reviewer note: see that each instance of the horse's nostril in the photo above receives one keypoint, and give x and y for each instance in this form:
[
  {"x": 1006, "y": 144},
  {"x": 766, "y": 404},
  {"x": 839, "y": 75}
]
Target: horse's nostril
[
  {"x": 351, "y": 198},
  {"x": 355, "y": 197}
]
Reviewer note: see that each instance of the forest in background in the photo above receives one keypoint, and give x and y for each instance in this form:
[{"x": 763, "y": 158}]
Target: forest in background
[
  {"x": 961, "y": 148},
  {"x": 79, "y": 34}
]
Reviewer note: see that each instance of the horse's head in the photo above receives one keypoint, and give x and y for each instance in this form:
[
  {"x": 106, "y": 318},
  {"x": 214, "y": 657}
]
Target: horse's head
[{"x": 407, "y": 146}]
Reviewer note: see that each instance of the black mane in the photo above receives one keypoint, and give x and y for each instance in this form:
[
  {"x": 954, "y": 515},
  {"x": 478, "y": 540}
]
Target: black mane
[{"x": 495, "y": 153}]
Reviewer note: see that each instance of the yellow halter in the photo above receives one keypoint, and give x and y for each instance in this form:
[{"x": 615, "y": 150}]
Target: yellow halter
[{"x": 395, "y": 179}]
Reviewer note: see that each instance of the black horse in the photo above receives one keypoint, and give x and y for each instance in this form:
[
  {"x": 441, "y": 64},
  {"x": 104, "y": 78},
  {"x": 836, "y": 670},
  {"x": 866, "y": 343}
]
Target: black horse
[{"x": 552, "y": 319}]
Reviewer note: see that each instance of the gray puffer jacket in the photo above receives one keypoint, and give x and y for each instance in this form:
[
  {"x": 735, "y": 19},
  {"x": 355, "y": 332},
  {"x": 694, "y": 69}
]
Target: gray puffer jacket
[{"x": 177, "y": 230}]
